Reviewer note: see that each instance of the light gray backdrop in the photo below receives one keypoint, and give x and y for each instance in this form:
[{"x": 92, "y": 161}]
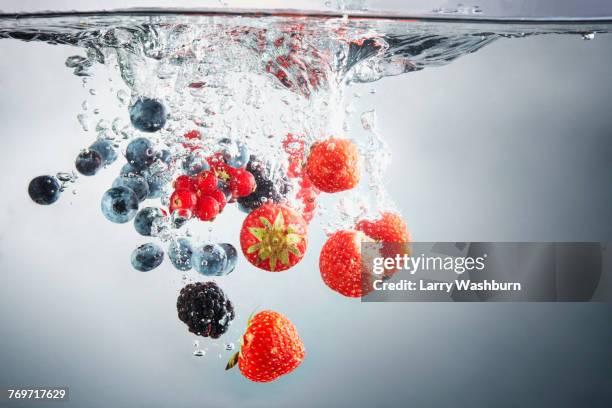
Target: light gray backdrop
[{"x": 511, "y": 143}]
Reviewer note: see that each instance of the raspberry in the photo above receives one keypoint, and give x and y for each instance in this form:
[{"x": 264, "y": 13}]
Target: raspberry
[{"x": 205, "y": 309}]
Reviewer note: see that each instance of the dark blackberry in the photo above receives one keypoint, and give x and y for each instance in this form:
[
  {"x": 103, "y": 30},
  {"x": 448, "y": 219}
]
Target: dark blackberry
[
  {"x": 205, "y": 309},
  {"x": 272, "y": 186}
]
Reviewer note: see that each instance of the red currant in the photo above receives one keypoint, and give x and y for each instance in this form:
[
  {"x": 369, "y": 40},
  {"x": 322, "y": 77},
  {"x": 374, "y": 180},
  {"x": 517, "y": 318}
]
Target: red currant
[
  {"x": 205, "y": 183},
  {"x": 182, "y": 200},
  {"x": 220, "y": 197},
  {"x": 184, "y": 183},
  {"x": 242, "y": 183},
  {"x": 207, "y": 208}
]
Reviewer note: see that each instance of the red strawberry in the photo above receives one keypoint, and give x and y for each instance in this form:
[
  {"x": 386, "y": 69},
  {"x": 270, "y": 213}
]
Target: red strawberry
[
  {"x": 206, "y": 209},
  {"x": 333, "y": 165},
  {"x": 205, "y": 183},
  {"x": 242, "y": 183},
  {"x": 388, "y": 228},
  {"x": 271, "y": 347},
  {"x": 340, "y": 262},
  {"x": 184, "y": 183},
  {"x": 273, "y": 237},
  {"x": 182, "y": 199}
]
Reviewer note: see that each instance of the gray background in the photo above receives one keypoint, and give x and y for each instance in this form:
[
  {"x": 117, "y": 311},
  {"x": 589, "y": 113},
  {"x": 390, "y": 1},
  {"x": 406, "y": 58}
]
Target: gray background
[{"x": 511, "y": 143}]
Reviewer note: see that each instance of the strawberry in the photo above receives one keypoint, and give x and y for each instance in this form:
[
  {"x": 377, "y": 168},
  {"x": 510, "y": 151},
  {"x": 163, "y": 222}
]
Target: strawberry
[
  {"x": 391, "y": 231},
  {"x": 273, "y": 237},
  {"x": 340, "y": 262},
  {"x": 333, "y": 165},
  {"x": 270, "y": 347},
  {"x": 388, "y": 228}
]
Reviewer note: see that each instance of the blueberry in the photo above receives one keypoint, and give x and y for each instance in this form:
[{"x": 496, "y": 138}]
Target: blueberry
[
  {"x": 166, "y": 156},
  {"x": 235, "y": 152},
  {"x": 180, "y": 252},
  {"x": 194, "y": 163},
  {"x": 209, "y": 260},
  {"x": 232, "y": 258},
  {"x": 129, "y": 170},
  {"x": 140, "y": 153},
  {"x": 145, "y": 218},
  {"x": 88, "y": 162},
  {"x": 119, "y": 204},
  {"x": 136, "y": 183},
  {"x": 148, "y": 115},
  {"x": 44, "y": 190},
  {"x": 147, "y": 257},
  {"x": 105, "y": 149}
]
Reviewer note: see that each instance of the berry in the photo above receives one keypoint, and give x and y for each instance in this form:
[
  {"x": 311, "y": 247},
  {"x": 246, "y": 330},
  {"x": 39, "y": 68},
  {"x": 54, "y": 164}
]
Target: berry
[
  {"x": 145, "y": 218},
  {"x": 340, "y": 262},
  {"x": 388, "y": 228},
  {"x": 273, "y": 237},
  {"x": 206, "y": 209},
  {"x": 180, "y": 253},
  {"x": 148, "y": 115},
  {"x": 182, "y": 200},
  {"x": 193, "y": 134},
  {"x": 235, "y": 152},
  {"x": 333, "y": 165},
  {"x": 119, "y": 204},
  {"x": 270, "y": 186},
  {"x": 156, "y": 184},
  {"x": 128, "y": 170},
  {"x": 194, "y": 163},
  {"x": 105, "y": 149},
  {"x": 220, "y": 198},
  {"x": 147, "y": 257},
  {"x": 180, "y": 217},
  {"x": 209, "y": 260},
  {"x": 140, "y": 153},
  {"x": 220, "y": 168},
  {"x": 232, "y": 258},
  {"x": 136, "y": 183},
  {"x": 44, "y": 190},
  {"x": 242, "y": 183},
  {"x": 88, "y": 162},
  {"x": 205, "y": 183},
  {"x": 184, "y": 183},
  {"x": 205, "y": 309},
  {"x": 271, "y": 347}
]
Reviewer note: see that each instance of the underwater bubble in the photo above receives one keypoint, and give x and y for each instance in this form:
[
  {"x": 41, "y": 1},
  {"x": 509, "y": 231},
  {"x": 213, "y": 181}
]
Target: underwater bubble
[
  {"x": 588, "y": 36},
  {"x": 84, "y": 121},
  {"x": 199, "y": 353}
]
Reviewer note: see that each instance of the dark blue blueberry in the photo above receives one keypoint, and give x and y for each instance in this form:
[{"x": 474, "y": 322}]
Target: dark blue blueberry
[
  {"x": 148, "y": 115},
  {"x": 88, "y": 162},
  {"x": 194, "y": 164},
  {"x": 137, "y": 184},
  {"x": 140, "y": 153},
  {"x": 147, "y": 257},
  {"x": 209, "y": 260},
  {"x": 232, "y": 258},
  {"x": 119, "y": 204},
  {"x": 180, "y": 253},
  {"x": 156, "y": 183},
  {"x": 145, "y": 218},
  {"x": 105, "y": 149},
  {"x": 166, "y": 156},
  {"x": 44, "y": 190},
  {"x": 129, "y": 170},
  {"x": 235, "y": 152}
]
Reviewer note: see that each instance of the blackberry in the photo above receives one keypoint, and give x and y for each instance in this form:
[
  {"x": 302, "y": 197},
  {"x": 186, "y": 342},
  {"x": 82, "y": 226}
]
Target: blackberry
[
  {"x": 272, "y": 186},
  {"x": 205, "y": 309}
]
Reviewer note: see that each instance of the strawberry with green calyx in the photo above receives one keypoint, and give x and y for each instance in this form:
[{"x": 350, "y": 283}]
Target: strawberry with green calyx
[
  {"x": 274, "y": 237},
  {"x": 270, "y": 347}
]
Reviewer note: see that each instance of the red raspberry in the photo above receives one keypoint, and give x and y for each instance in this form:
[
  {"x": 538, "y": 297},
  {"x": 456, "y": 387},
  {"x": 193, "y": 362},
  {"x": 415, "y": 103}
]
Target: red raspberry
[
  {"x": 242, "y": 183},
  {"x": 206, "y": 209},
  {"x": 182, "y": 200}
]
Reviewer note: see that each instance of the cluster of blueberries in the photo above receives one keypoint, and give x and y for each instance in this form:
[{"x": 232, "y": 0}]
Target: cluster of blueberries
[{"x": 143, "y": 177}]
